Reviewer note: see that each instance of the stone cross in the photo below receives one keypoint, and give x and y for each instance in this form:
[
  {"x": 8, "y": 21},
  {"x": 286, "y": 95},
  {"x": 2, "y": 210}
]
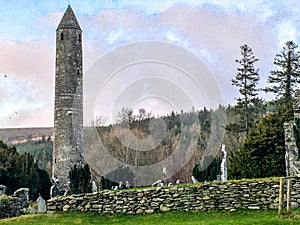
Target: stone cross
[{"x": 41, "y": 205}]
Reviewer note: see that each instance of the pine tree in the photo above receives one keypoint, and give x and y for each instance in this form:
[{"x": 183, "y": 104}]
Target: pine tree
[
  {"x": 210, "y": 173},
  {"x": 263, "y": 152},
  {"x": 246, "y": 80},
  {"x": 80, "y": 179},
  {"x": 20, "y": 171},
  {"x": 283, "y": 80}
]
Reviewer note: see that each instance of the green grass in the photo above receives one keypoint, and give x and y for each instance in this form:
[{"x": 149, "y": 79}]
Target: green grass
[{"x": 240, "y": 217}]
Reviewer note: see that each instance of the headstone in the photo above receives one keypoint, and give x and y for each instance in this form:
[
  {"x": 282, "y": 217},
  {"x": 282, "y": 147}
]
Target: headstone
[
  {"x": 66, "y": 192},
  {"x": 41, "y": 205},
  {"x": 157, "y": 183},
  {"x": 94, "y": 187},
  {"x": 54, "y": 191},
  {"x": 2, "y": 189},
  {"x": 120, "y": 185},
  {"x": 127, "y": 184},
  {"x": 165, "y": 174},
  {"x": 32, "y": 210},
  {"x": 224, "y": 165},
  {"x": 194, "y": 180},
  {"x": 177, "y": 181}
]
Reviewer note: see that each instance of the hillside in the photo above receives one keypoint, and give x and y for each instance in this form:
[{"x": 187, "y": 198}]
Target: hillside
[{"x": 20, "y": 135}]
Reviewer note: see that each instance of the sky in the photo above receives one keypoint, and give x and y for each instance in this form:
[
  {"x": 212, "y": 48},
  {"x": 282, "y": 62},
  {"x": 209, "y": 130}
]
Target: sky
[{"x": 211, "y": 30}]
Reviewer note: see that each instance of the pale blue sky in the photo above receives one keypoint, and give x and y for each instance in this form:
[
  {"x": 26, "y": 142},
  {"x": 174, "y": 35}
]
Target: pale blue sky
[{"x": 213, "y": 30}]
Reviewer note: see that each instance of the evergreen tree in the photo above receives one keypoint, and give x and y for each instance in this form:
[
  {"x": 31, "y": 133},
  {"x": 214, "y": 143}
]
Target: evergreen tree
[
  {"x": 246, "y": 80},
  {"x": 283, "y": 80},
  {"x": 210, "y": 173},
  {"x": 21, "y": 171},
  {"x": 80, "y": 179},
  {"x": 263, "y": 152}
]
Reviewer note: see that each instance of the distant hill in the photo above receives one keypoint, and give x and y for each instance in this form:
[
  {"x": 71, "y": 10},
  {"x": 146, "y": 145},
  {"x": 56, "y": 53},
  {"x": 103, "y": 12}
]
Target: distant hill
[{"x": 21, "y": 135}]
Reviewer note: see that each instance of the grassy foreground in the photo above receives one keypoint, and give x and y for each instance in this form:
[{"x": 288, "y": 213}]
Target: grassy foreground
[{"x": 186, "y": 218}]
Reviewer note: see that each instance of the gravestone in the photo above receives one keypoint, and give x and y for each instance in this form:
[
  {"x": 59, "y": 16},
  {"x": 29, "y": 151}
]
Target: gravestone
[
  {"x": 120, "y": 185},
  {"x": 165, "y": 174},
  {"x": 224, "y": 165},
  {"x": 127, "y": 184},
  {"x": 41, "y": 205},
  {"x": 54, "y": 191},
  {"x": 2, "y": 189},
  {"x": 157, "y": 183},
  {"x": 194, "y": 180},
  {"x": 94, "y": 187}
]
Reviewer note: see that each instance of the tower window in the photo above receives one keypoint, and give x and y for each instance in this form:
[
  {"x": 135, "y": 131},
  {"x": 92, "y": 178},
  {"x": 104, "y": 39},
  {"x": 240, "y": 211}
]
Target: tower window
[
  {"x": 79, "y": 37},
  {"x": 54, "y": 160},
  {"x": 61, "y": 36},
  {"x": 78, "y": 73}
]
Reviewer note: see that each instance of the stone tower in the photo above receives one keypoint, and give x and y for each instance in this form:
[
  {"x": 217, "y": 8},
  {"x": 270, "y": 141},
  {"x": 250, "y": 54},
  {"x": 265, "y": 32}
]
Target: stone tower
[{"x": 68, "y": 116}]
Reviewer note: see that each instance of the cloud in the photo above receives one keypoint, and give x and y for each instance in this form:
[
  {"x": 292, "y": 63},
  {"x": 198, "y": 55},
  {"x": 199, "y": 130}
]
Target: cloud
[
  {"x": 27, "y": 75},
  {"x": 213, "y": 35},
  {"x": 22, "y": 103},
  {"x": 28, "y": 60},
  {"x": 213, "y": 31}
]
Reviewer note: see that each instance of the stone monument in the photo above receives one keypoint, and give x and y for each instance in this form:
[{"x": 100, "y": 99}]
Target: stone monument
[
  {"x": 224, "y": 165},
  {"x": 94, "y": 187},
  {"x": 41, "y": 205},
  {"x": 2, "y": 189},
  {"x": 68, "y": 115},
  {"x": 54, "y": 190},
  {"x": 292, "y": 156}
]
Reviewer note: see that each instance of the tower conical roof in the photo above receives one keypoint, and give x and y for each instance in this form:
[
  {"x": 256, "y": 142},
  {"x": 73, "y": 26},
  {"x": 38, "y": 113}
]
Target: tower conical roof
[{"x": 69, "y": 20}]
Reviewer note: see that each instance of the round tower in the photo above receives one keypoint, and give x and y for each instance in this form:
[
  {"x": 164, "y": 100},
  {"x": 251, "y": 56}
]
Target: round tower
[{"x": 68, "y": 116}]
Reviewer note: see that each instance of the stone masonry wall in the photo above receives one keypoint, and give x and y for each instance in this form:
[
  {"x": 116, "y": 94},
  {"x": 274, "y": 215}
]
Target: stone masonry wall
[
  {"x": 200, "y": 197},
  {"x": 15, "y": 205}
]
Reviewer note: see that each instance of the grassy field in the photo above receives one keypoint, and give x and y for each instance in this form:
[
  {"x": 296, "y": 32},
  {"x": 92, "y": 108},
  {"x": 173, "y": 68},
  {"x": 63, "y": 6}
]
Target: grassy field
[{"x": 187, "y": 218}]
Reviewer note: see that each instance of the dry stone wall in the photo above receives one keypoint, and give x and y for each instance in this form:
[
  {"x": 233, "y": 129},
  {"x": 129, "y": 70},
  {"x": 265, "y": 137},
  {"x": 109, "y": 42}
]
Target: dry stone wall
[
  {"x": 200, "y": 197},
  {"x": 15, "y": 205}
]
